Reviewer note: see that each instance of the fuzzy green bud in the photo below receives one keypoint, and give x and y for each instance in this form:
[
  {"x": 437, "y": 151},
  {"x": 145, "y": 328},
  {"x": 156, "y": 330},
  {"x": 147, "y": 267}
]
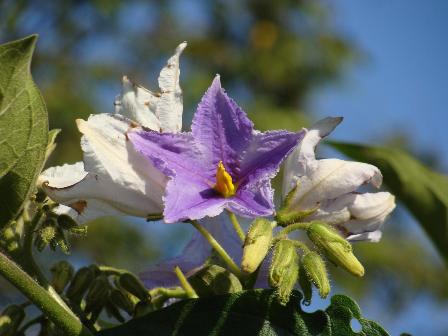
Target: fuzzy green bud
[
  {"x": 336, "y": 248},
  {"x": 256, "y": 245},
  {"x": 284, "y": 269},
  {"x": 80, "y": 283},
  {"x": 10, "y": 320},
  {"x": 122, "y": 301},
  {"x": 66, "y": 222},
  {"x": 98, "y": 295},
  {"x": 134, "y": 286},
  {"x": 305, "y": 285},
  {"x": 316, "y": 271},
  {"x": 62, "y": 273}
]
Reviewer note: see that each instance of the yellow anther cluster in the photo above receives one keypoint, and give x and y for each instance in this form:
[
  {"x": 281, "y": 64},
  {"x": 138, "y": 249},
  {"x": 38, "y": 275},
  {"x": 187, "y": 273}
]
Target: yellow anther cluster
[{"x": 224, "y": 184}]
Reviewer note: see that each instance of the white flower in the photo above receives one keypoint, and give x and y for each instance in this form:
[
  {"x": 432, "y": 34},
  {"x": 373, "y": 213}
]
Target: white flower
[
  {"x": 327, "y": 188},
  {"x": 113, "y": 178}
]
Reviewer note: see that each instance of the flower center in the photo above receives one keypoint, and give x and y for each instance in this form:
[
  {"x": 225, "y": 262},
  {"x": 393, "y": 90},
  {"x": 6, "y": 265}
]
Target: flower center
[{"x": 224, "y": 184}]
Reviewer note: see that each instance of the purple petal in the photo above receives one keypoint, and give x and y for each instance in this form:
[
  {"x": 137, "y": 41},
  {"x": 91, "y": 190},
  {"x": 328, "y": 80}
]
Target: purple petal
[
  {"x": 256, "y": 202},
  {"x": 266, "y": 152},
  {"x": 187, "y": 199},
  {"x": 221, "y": 127},
  {"x": 195, "y": 253},
  {"x": 172, "y": 154}
]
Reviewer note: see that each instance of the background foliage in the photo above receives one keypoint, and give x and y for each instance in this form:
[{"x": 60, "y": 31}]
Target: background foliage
[{"x": 271, "y": 55}]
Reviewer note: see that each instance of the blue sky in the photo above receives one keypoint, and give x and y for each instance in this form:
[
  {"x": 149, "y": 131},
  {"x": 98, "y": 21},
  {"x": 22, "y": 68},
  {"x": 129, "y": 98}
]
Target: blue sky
[{"x": 401, "y": 87}]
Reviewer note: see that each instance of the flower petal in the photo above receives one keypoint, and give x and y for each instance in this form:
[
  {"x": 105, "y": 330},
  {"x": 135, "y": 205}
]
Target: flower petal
[
  {"x": 87, "y": 210},
  {"x": 221, "y": 127},
  {"x": 170, "y": 105},
  {"x": 373, "y": 237},
  {"x": 265, "y": 153},
  {"x": 138, "y": 104},
  {"x": 253, "y": 202}
]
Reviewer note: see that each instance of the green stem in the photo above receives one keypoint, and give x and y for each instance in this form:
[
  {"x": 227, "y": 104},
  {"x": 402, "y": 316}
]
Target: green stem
[
  {"x": 176, "y": 292},
  {"x": 293, "y": 227},
  {"x": 237, "y": 226},
  {"x": 219, "y": 249},
  {"x": 41, "y": 298},
  {"x": 185, "y": 284}
]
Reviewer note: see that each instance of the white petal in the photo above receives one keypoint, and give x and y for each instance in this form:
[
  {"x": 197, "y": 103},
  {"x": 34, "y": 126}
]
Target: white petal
[
  {"x": 116, "y": 180},
  {"x": 331, "y": 178},
  {"x": 87, "y": 210},
  {"x": 303, "y": 157},
  {"x": 138, "y": 104},
  {"x": 373, "y": 237},
  {"x": 170, "y": 105}
]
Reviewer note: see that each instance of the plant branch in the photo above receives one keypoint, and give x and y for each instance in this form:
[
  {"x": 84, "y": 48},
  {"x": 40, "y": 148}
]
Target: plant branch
[
  {"x": 219, "y": 249},
  {"x": 185, "y": 284},
  {"x": 41, "y": 298},
  {"x": 237, "y": 226}
]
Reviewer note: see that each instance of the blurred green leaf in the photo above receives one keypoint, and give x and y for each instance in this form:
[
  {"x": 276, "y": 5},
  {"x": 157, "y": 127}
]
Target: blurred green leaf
[
  {"x": 23, "y": 125},
  {"x": 254, "y": 312},
  {"x": 423, "y": 191}
]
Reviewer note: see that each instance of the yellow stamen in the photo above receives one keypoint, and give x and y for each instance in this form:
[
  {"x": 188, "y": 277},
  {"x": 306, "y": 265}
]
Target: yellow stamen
[{"x": 224, "y": 184}]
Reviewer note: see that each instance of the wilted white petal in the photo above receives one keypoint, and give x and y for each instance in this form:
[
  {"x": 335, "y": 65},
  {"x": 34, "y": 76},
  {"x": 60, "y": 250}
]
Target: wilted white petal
[
  {"x": 373, "y": 237},
  {"x": 89, "y": 210},
  {"x": 170, "y": 106},
  {"x": 138, "y": 104},
  {"x": 115, "y": 179}
]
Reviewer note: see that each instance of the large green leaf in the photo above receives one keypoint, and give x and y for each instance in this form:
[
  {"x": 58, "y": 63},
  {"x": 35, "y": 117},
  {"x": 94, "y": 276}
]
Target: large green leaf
[
  {"x": 423, "y": 191},
  {"x": 251, "y": 313},
  {"x": 23, "y": 127}
]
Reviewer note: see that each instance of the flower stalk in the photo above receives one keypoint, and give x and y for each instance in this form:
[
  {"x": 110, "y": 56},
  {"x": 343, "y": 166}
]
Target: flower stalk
[
  {"x": 41, "y": 298},
  {"x": 236, "y": 225},
  {"x": 185, "y": 284}
]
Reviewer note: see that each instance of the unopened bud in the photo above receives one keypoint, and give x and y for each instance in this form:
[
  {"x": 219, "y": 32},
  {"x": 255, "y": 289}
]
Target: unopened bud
[
  {"x": 10, "y": 320},
  {"x": 214, "y": 280},
  {"x": 113, "y": 311},
  {"x": 80, "y": 283},
  {"x": 61, "y": 240},
  {"x": 315, "y": 269},
  {"x": 286, "y": 215},
  {"x": 256, "y": 245},
  {"x": 48, "y": 231},
  {"x": 122, "y": 301},
  {"x": 337, "y": 249},
  {"x": 134, "y": 286},
  {"x": 66, "y": 222},
  {"x": 98, "y": 295},
  {"x": 62, "y": 273},
  {"x": 305, "y": 285},
  {"x": 284, "y": 269}
]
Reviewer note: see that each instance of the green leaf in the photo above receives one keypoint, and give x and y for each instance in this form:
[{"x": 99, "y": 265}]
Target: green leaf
[
  {"x": 423, "y": 191},
  {"x": 255, "y": 312},
  {"x": 23, "y": 126},
  {"x": 214, "y": 280}
]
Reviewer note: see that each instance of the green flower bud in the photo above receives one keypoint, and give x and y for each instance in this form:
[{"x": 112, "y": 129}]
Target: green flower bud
[
  {"x": 10, "y": 320},
  {"x": 48, "y": 231},
  {"x": 337, "y": 249},
  {"x": 113, "y": 311},
  {"x": 62, "y": 273},
  {"x": 256, "y": 245},
  {"x": 305, "y": 285},
  {"x": 79, "y": 230},
  {"x": 286, "y": 216},
  {"x": 134, "y": 286},
  {"x": 122, "y": 301},
  {"x": 214, "y": 280},
  {"x": 284, "y": 269},
  {"x": 315, "y": 269},
  {"x": 80, "y": 283},
  {"x": 61, "y": 240},
  {"x": 66, "y": 222},
  {"x": 98, "y": 295}
]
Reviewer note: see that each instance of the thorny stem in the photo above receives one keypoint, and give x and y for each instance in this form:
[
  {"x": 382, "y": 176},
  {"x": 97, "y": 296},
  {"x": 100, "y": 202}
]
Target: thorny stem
[
  {"x": 41, "y": 298},
  {"x": 185, "y": 284},
  {"x": 237, "y": 226},
  {"x": 219, "y": 249}
]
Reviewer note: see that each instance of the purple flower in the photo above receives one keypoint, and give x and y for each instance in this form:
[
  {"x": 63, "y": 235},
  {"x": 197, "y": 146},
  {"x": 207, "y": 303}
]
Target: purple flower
[{"x": 222, "y": 163}]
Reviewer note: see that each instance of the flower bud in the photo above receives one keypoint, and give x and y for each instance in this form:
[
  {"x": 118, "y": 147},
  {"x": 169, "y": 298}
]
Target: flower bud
[
  {"x": 256, "y": 245},
  {"x": 62, "y": 273},
  {"x": 284, "y": 269},
  {"x": 80, "y": 283},
  {"x": 98, "y": 295},
  {"x": 122, "y": 301},
  {"x": 10, "y": 320},
  {"x": 66, "y": 222},
  {"x": 337, "y": 249},
  {"x": 134, "y": 286},
  {"x": 315, "y": 269},
  {"x": 214, "y": 280},
  {"x": 305, "y": 285},
  {"x": 61, "y": 240}
]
